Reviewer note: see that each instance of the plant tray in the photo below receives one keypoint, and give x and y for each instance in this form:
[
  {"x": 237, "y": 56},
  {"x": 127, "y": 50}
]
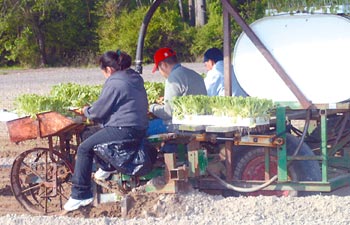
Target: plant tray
[
  {"x": 223, "y": 121},
  {"x": 44, "y": 125}
]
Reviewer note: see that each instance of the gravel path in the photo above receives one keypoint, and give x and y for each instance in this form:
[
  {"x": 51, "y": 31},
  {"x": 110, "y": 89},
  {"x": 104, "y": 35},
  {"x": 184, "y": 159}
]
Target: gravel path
[
  {"x": 200, "y": 208},
  {"x": 192, "y": 208}
]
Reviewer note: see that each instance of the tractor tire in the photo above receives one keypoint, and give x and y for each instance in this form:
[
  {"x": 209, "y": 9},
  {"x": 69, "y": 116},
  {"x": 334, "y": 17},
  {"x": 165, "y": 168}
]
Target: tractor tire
[{"x": 249, "y": 164}]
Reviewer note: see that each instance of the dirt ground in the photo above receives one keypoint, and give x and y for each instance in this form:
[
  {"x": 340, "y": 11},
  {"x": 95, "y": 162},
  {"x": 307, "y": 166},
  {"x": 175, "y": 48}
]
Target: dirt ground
[
  {"x": 139, "y": 203},
  {"x": 14, "y": 83}
]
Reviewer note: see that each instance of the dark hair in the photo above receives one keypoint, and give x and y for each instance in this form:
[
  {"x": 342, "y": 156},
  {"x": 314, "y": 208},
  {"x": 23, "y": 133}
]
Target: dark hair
[
  {"x": 171, "y": 60},
  {"x": 118, "y": 60},
  {"x": 214, "y": 54}
]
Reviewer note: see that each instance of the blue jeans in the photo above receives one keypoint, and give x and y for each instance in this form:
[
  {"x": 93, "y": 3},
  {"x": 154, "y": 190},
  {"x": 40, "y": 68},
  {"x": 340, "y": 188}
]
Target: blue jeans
[{"x": 81, "y": 179}]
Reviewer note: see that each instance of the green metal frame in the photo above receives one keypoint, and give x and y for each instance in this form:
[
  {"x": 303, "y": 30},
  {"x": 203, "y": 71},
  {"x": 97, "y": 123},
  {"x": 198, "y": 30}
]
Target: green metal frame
[
  {"x": 282, "y": 172},
  {"x": 326, "y": 159}
]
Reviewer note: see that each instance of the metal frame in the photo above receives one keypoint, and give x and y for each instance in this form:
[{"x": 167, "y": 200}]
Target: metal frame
[{"x": 325, "y": 160}]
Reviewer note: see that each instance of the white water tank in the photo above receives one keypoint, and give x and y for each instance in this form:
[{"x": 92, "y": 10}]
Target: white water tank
[{"x": 313, "y": 49}]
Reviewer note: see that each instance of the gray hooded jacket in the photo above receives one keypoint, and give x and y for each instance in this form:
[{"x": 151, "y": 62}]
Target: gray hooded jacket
[{"x": 122, "y": 103}]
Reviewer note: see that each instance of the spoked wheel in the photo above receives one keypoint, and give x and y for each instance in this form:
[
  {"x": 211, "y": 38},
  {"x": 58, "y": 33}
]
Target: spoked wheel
[
  {"x": 250, "y": 166},
  {"x": 40, "y": 180}
]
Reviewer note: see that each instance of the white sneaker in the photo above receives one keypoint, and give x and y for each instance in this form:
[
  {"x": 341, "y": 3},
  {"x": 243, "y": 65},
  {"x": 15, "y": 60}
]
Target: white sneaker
[
  {"x": 73, "y": 204},
  {"x": 103, "y": 175}
]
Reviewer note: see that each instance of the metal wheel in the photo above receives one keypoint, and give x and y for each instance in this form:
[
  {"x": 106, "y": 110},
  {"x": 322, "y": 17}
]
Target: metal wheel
[
  {"x": 250, "y": 165},
  {"x": 40, "y": 180}
]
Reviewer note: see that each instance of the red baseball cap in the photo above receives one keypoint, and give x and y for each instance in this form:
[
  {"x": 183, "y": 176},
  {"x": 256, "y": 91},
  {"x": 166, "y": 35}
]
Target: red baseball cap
[{"x": 160, "y": 55}]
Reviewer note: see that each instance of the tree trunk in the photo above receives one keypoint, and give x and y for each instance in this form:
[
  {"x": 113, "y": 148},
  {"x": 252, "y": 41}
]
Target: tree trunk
[
  {"x": 42, "y": 48},
  {"x": 34, "y": 21},
  {"x": 200, "y": 12},
  {"x": 181, "y": 10},
  {"x": 191, "y": 12},
  {"x": 40, "y": 39}
]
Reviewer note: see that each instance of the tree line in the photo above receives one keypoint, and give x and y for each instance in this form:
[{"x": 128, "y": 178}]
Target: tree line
[{"x": 37, "y": 33}]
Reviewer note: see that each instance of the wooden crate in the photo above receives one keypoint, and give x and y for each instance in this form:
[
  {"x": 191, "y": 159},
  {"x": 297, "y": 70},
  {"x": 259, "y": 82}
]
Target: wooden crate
[{"x": 44, "y": 125}]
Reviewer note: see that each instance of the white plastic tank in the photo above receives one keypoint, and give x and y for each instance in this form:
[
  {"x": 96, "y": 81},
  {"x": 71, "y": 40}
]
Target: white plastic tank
[{"x": 313, "y": 49}]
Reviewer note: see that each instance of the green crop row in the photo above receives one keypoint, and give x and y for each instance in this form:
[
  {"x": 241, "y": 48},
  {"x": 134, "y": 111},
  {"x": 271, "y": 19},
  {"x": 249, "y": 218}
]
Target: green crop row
[
  {"x": 244, "y": 107},
  {"x": 72, "y": 95}
]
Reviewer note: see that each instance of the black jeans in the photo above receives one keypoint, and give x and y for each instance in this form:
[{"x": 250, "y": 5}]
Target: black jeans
[{"x": 81, "y": 179}]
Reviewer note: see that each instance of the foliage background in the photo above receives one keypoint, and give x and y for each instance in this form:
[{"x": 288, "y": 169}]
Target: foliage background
[{"x": 42, "y": 33}]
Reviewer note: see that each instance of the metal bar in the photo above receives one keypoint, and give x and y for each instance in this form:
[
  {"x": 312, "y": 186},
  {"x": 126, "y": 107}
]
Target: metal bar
[
  {"x": 229, "y": 158},
  {"x": 193, "y": 163},
  {"x": 339, "y": 181},
  {"x": 340, "y": 145},
  {"x": 227, "y": 53},
  {"x": 302, "y": 158},
  {"x": 170, "y": 162},
  {"x": 267, "y": 164},
  {"x": 282, "y": 149},
  {"x": 257, "y": 140},
  {"x": 324, "y": 154},
  {"x": 268, "y": 56},
  {"x": 225, "y": 138},
  {"x": 339, "y": 162}
]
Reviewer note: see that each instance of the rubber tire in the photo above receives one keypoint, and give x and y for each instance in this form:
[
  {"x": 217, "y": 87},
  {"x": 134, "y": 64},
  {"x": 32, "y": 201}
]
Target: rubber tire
[{"x": 297, "y": 170}]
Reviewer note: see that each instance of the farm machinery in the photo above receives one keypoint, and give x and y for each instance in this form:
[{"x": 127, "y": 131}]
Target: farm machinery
[{"x": 301, "y": 148}]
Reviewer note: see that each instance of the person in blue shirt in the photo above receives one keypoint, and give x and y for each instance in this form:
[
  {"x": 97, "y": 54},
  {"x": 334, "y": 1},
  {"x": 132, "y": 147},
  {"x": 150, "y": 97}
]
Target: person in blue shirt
[{"x": 214, "y": 80}]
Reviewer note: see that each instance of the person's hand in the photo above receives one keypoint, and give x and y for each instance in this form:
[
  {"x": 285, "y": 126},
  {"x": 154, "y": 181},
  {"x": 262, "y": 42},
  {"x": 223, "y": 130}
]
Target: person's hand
[
  {"x": 150, "y": 115},
  {"x": 78, "y": 111},
  {"x": 160, "y": 100},
  {"x": 83, "y": 109}
]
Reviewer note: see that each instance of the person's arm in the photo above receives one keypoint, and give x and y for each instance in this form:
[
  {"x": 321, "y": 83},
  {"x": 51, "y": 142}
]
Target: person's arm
[
  {"x": 214, "y": 83},
  {"x": 165, "y": 111},
  {"x": 102, "y": 108}
]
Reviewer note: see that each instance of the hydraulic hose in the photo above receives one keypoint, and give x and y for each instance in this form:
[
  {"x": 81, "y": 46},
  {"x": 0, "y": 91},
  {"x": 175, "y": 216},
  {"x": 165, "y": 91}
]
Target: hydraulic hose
[
  {"x": 142, "y": 34},
  {"x": 306, "y": 127},
  {"x": 242, "y": 189}
]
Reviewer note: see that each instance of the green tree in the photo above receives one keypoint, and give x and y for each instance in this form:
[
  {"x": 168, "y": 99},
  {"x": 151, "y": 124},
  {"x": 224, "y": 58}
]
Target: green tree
[
  {"x": 165, "y": 29},
  {"x": 211, "y": 34},
  {"x": 39, "y": 32},
  {"x": 72, "y": 32},
  {"x": 22, "y": 23}
]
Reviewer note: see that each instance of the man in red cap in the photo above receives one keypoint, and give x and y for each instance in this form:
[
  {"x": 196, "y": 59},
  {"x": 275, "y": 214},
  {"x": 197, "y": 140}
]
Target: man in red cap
[{"x": 179, "y": 81}]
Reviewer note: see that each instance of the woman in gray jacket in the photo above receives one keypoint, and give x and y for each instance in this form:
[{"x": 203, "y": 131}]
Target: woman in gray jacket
[{"x": 121, "y": 109}]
